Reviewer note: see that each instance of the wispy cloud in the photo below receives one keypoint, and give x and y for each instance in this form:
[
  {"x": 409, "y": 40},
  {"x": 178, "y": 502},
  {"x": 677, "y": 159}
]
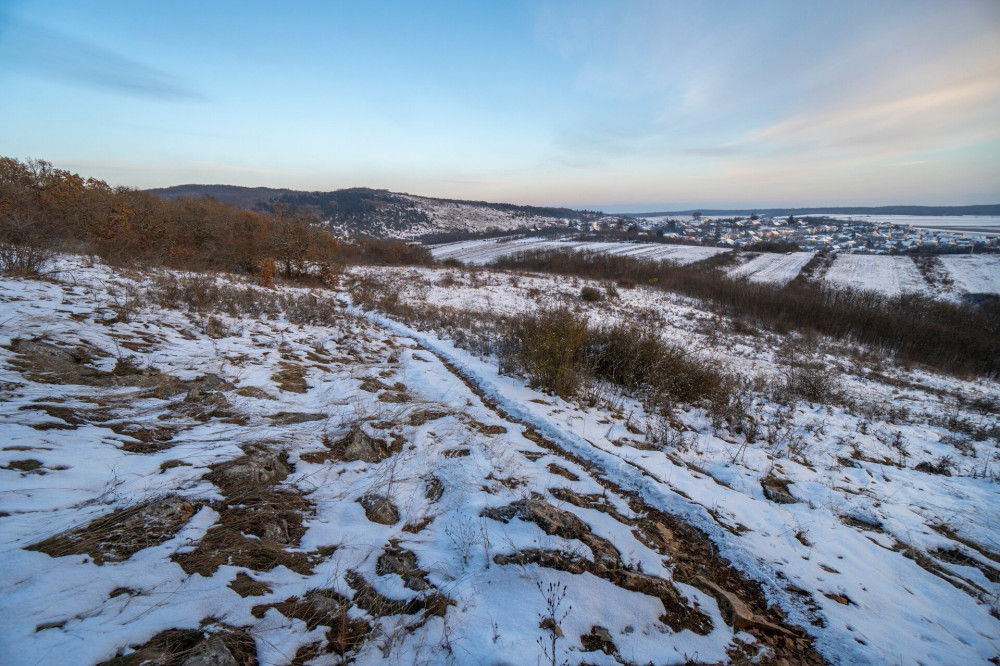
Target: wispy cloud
[
  {"x": 35, "y": 50},
  {"x": 779, "y": 85},
  {"x": 953, "y": 115}
]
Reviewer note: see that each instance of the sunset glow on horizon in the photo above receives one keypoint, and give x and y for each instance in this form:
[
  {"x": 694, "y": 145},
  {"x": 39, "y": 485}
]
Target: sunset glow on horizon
[{"x": 618, "y": 106}]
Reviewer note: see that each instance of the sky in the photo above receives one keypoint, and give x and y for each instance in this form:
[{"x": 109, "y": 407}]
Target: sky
[{"x": 622, "y": 106}]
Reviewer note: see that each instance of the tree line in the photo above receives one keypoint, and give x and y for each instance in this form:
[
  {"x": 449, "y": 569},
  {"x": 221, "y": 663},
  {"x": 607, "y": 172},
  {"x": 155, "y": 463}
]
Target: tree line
[{"x": 50, "y": 209}]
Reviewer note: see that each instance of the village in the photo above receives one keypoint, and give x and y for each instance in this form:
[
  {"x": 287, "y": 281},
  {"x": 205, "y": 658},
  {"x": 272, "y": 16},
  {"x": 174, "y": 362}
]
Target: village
[{"x": 809, "y": 233}]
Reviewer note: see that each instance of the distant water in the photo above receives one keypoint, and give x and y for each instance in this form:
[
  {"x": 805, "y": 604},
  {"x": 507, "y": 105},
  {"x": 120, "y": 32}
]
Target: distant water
[{"x": 979, "y": 224}]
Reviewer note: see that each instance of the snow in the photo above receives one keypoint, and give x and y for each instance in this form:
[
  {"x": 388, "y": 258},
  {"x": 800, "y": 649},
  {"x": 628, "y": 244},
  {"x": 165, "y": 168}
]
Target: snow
[
  {"x": 978, "y": 274},
  {"x": 482, "y": 252},
  {"x": 60, "y": 609},
  {"x": 890, "y": 275},
  {"x": 895, "y": 609},
  {"x": 773, "y": 268},
  {"x": 983, "y": 225}
]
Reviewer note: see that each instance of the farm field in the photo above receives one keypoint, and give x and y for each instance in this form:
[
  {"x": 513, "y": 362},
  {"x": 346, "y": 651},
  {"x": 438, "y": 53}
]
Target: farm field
[
  {"x": 773, "y": 268},
  {"x": 975, "y": 274},
  {"x": 482, "y": 252},
  {"x": 889, "y": 275}
]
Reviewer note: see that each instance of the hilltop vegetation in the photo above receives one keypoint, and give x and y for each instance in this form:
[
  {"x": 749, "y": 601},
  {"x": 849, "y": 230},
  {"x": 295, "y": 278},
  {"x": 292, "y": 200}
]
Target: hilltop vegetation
[
  {"x": 383, "y": 213},
  {"x": 44, "y": 209}
]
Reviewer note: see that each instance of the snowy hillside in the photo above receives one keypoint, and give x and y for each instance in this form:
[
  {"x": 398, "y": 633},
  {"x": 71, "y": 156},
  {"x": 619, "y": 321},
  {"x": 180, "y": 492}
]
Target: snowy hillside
[
  {"x": 200, "y": 471},
  {"x": 386, "y": 214}
]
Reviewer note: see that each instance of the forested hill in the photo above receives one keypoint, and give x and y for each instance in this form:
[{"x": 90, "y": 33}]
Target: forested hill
[{"x": 383, "y": 213}]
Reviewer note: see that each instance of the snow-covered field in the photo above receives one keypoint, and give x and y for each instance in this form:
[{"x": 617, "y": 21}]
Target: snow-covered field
[
  {"x": 178, "y": 478},
  {"x": 974, "y": 274},
  {"x": 773, "y": 268},
  {"x": 482, "y": 252},
  {"x": 890, "y": 275}
]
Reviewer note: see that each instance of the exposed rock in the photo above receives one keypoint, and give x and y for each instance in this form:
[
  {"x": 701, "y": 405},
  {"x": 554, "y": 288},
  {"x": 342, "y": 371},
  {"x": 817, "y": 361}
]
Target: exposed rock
[
  {"x": 380, "y": 509},
  {"x": 259, "y": 467},
  {"x": 557, "y": 522},
  {"x": 599, "y": 638},
  {"x": 776, "y": 490},
  {"x": 357, "y": 445},
  {"x": 210, "y": 652},
  {"x": 403, "y": 563},
  {"x": 433, "y": 489},
  {"x": 291, "y": 418}
]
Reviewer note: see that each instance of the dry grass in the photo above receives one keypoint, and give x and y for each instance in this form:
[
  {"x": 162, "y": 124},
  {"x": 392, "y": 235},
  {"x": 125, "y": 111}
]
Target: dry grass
[
  {"x": 213, "y": 644},
  {"x": 121, "y": 534}
]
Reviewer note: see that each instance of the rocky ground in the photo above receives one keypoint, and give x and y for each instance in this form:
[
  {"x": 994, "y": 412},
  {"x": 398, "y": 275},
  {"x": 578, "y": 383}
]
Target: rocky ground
[{"x": 198, "y": 471}]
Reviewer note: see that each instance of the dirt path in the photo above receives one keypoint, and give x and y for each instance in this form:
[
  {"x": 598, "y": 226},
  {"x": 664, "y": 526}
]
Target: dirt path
[{"x": 694, "y": 559}]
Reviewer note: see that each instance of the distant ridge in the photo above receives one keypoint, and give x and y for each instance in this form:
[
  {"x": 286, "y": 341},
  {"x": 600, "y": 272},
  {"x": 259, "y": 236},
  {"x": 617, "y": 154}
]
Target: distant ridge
[
  {"x": 386, "y": 214},
  {"x": 985, "y": 209}
]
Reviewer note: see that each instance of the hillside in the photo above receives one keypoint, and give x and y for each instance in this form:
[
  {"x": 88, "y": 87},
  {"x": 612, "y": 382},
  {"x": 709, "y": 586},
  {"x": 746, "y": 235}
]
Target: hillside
[
  {"x": 385, "y": 214},
  {"x": 199, "y": 470}
]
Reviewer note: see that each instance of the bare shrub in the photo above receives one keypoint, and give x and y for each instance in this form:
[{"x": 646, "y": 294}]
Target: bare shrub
[
  {"x": 267, "y": 271},
  {"x": 635, "y": 357},
  {"x": 953, "y": 337},
  {"x": 813, "y": 384},
  {"x": 548, "y": 347},
  {"x": 558, "y": 351},
  {"x": 126, "y": 301},
  {"x": 591, "y": 294},
  {"x": 733, "y": 408},
  {"x": 205, "y": 294},
  {"x": 23, "y": 250}
]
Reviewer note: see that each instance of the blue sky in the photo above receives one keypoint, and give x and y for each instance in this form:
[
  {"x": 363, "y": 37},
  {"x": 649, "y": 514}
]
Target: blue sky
[{"x": 613, "y": 105}]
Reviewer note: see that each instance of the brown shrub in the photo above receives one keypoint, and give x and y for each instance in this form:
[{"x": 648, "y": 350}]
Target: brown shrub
[
  {"x": 267, "y": 270},
  {"x": 558, "y": 351},
  {"x": 43, "y": 209},
  {"x": 951, "y": 337},
  {"x": 548, "y": 347}
]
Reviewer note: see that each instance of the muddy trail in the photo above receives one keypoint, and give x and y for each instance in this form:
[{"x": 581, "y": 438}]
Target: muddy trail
[{"x": 687, "y": 551}]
